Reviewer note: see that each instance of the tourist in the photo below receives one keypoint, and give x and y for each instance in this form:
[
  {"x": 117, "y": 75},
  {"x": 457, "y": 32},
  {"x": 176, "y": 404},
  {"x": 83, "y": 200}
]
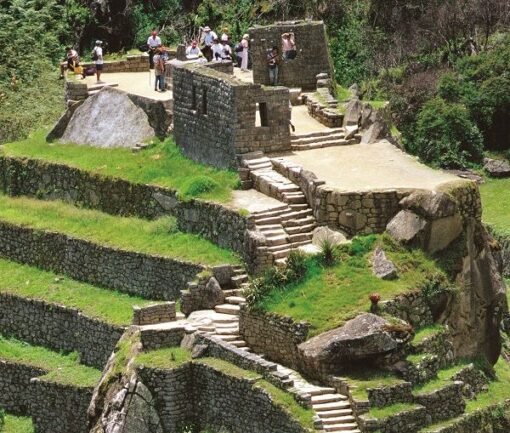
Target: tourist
[
  {"x": 72, "y": 62},
  {"x": 153, "y": 42},
  {"x": 273, "y": 59},
  {"x": 244, "y": 54},
  {"x": 159, "y": 71},
  {"x": 97, "y": 56},
  {"x": 226, "y": 52},
  {"x": 193, "y": 52},
  {"x": 288, "y": 46},
  {"x": 224, "y": 35},
  {"x": 216, "y": 50},
  {"x": 208, "y": 40}
]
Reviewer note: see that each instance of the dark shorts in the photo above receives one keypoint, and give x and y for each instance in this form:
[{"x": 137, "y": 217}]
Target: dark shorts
[{"x": 99, "y": 67}]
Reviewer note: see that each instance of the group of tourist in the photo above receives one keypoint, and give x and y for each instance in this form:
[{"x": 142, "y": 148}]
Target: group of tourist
[{"x": 72, "y": 62}]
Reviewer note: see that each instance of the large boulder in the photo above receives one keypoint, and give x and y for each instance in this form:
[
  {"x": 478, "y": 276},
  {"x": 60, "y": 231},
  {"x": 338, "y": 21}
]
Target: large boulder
[
  {"x": 108, "y": 119},
  {"x": 325, "y": 234},
  {"x": 383, "y": 267},
  {"x": 430, "y": 204},
  {"x": 353, "y": 112},
  {"x": 365, "y": 338},
  {"x": 496, "y": 167}
]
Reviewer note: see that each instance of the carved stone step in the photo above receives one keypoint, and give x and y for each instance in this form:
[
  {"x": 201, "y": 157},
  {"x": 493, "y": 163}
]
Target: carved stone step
[
  {"x": 335, "y": 405},
  {"x": 339, "y": 420},
  {"x": 277, "y": 240},
  {"x": 322, "y": 133},
  {"x": 334, "y": 413},
  {"x": 300, "y": 229},
  {"x": 327, "y": 398},
  {"x": 349, "y": 427},
  {"x": 299, "y": 222},
  {"x": 237, "y": 300},
  {"x": 227, "y": 309}
]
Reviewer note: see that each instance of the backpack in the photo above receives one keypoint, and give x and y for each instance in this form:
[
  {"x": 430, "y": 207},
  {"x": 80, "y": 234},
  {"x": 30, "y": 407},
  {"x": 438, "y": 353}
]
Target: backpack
[
  {"x": 238, "y": 48},
  {"x": 94, "y": 55}
]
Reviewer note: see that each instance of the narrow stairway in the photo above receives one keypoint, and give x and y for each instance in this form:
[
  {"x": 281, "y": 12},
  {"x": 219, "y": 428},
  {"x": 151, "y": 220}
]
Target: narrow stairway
[{"x": 324, "y": 138}]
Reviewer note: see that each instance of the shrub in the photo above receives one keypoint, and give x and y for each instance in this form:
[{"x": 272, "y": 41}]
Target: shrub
[
  {"x": 328, "y": 255},
  {"x": 446, "y": 136},
  {"x": 362, "y": 244},
  {"x": 199, "y": 185}
]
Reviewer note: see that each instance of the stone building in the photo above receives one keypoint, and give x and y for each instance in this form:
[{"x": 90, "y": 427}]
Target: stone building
[
  {"x": 217, "y": 117},
  {"x": 312, "y": 54}
]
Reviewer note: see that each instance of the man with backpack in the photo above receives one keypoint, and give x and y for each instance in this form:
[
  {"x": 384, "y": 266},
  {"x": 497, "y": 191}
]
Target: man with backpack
[
  {"x": 97, "y": 57},
  {"x": 159, "y": 71},
  {"x": 72, "y": 62}
]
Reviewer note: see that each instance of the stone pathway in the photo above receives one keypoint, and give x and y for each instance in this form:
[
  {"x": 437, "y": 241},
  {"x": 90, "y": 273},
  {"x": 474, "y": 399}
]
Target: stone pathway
[{"x": 323, "y": 138}]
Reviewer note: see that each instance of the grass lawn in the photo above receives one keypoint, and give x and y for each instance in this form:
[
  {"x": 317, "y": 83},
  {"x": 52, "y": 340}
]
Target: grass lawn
[
  {"x": 162, "y": 164},
  {"x": 496, "y": 203},
  {"x": 157, "y": 237},
  {"x": 360, "y": 382},
  {"x": 64, "y": 369},
  {"x": 444, "y": 377},
  {"x": 170, "y": 357},
  {"x": 329, "y": 296},
  {"x": 106, "y": 305},
  {"x": 17, "y": 424},
  {"x": 427, "y": 332}
]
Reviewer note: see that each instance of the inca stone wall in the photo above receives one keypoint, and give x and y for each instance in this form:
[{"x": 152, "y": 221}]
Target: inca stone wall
[
  {"x": 444, "y": 403},
  {"x": 52, "y": 181},
  {"x": 411, "y": 307},
  {"x": 54, "y": 408},
  {"x": 312, "y": 53},
  {"x": 152, "y": 277},
  {"x": 407, "y": 421},
  {"x": 59, "y": 328},
  {"x": 58, "y": 408},
  {"x": 215, "y": 116},
  {"x": 15, "y": 393},
  {"x": 276, "y": 336},
  {"x": 214, "y": 400}
]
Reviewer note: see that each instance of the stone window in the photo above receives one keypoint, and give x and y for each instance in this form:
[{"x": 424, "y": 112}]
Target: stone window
[
  {"x": 204, "y": 101},
  {"x": 261, "y": 115},
  {"x": 289, "y": 50}
]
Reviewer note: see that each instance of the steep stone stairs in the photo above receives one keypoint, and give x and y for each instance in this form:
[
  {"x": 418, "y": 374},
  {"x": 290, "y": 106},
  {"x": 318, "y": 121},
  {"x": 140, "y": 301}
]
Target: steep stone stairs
[
  {"x": 286, "y": 227},
  {"x": 323, "y": 138},
  {"x": 333, "y": 411}
]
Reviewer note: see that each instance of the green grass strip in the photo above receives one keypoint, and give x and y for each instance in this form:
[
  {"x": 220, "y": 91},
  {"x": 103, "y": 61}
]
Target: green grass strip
[
  {"x": 394, "y": 409},
  {"x": 162, "y": 164},
  {"x": 170, "y": 357},
  {"x": 106, "y": 305},
  {"x": 361, "y": 382},
  {"x": 64, "y": 369},
  {"x": 329, "y": 296},
  {"x": 495, "y": 195},
  {"x": 427, "y": 332},
  {"x": 158, "y": 237},
  {"x": 444, "y": 377},
  {"x": 17, "y": 424}
]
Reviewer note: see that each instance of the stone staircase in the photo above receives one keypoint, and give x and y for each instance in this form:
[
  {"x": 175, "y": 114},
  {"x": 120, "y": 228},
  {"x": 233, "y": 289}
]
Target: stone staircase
[
  {"x": 286, "y": 227},
  {"x": 324, "y": 138},
  {"x": 333, "y": 411}
]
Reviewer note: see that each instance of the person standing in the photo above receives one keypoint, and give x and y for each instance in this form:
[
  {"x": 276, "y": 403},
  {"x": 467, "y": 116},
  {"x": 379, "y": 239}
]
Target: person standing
[
  {"x": 273, "y": 59},
  {"x": 244, "y": 54},
  {"x": 288, "y": 46},
  {"x": 97, "y": 56},
  {"x": 216, "y": 49},
  {"x": 153, "y": 42},
  {"x": 208, "y": 41},
  {"x": 159, "y": 70}
]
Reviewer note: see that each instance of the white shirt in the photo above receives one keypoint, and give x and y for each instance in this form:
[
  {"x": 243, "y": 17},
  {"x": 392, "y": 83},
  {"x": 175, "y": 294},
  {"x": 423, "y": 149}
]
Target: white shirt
[
  {"x": 209, "y": 38},
  {"x": 217, "y": 51},
  {"x": 99, "y": 53},
  {"x": 192, "y": 53},
  {"x": 153, "y": 42}
]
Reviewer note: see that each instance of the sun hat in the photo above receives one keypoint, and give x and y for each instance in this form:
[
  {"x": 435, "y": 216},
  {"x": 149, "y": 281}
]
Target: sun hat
[
  {"x": 98, "y": 42},
  {"x": 207, "y": 29},
  {"x": 246, "y": 36}
]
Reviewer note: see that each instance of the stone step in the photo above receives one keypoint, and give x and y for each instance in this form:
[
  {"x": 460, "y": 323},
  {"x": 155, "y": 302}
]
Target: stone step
[
  {"x": 237, "y": 280},
  {"x": 323, "y": 144},
  {"x": 339, "y": 420},
  {"x": 226, "y": 319},
  {"x": 227, "y": 309},
  {"x": 227, "y": 325},
  {"x": 294, "y": 199},
  {"x": 237, "y": 300},
  {"x": 277, "y": 240},
  {"x": 334, "y": 405},
  {"x": 281, "y": 254},
  {"x": 228, "y": 331},
  {"x": 245, "y": 348},
  {"x": 341, "y": 427},
  {"x": 300, "y": 229},
  {"x": 310, "y": 140},
  {"x": 277, "y": 248},
  {"x": 334, "y": 413},
  {"x": 288, "y": 188},
  {"x": 322, "y": 133},
  {"x": 256, "y": 161},
  {"x": 296, "y": 215},
  {"x": 299, "y": 222},
  {"x": 228, "y": 338},
  {"x": 327, "y": 398},
  {"x": 233, "y": 292},
  {"x": 207, "y": 328},
  {"x": 316, "y": 391},
  {"x": 249, "y": 156},
  {"x": 301, "y": 237},
  {"x": 298, "y": 207},
  {"x": 269, "y": 227},
  {"x": 271, "y": 212},
  {"x": 268, "y": 221},
  {"x": 272, "y": 233},
  {"x": 238, "y": 343}
]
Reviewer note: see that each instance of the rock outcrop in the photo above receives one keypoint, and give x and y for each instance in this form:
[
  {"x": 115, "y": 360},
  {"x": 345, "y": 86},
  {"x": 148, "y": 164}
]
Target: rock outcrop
[
  {"x": 496, "y": 167},
  {"x": 383, "y": 267},
  {"x": 108, "y": 119}
]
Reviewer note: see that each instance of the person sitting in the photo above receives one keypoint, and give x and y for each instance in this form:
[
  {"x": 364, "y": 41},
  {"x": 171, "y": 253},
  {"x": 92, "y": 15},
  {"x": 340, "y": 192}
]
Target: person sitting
[
  {"x": 193, "y": 52},
  {"x": 226, "y": 52},
  {"x": 216, "y": 50},
  {"x": 153, "y": 42},
  {"x": 288, "y": 46},
  {"x": 71, "y": 62}
]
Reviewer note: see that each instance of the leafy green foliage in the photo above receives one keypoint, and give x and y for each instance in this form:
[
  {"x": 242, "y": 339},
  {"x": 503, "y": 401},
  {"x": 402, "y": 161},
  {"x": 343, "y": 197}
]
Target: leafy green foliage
[
  {"x": 446, "y": 136},
  {"x": 17, "y": 424},
  {"x": 200, "y": 185}
]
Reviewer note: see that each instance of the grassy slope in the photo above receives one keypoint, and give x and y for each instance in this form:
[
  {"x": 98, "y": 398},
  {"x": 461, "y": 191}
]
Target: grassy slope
[
  {"x": 106, "y": 305},
  {"x": 496, "y": 203},
  {"x": 152, "y": 237},
  {"x": 62, "y": 368},
  {"x": 162, "y": 164},
  {"x": 329, "y": 296},
  {"x": 17, "y": 424}
]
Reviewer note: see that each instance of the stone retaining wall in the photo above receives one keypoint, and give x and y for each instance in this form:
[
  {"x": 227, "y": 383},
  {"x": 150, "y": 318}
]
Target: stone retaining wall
[
  {"x": 59, "y": 328},
  {"x": 152, "y": 314},
  {"x": 329, "y": 117},
  {"x": 214, "y": 399},
  {"x": 157, "y": 338},
  {"x": 312, "y": 53},
  {"x": 440, "y": 345},
  {"x": 215, "y": 116},
  {"x": 407, "y": 421},
  {"x": 75, "y": 91},
  {"x": 58, "y": 408},
  {"x": 411, "y": 307},
  {"x": 152, "y": 277},
  {"x": 388, "y": 395},
  {"x": 53, "y": 181},
  {"x": 276, "y": 336},
  {"x": 443, "y": 403},
  {"x": 15, "y": 392}
]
